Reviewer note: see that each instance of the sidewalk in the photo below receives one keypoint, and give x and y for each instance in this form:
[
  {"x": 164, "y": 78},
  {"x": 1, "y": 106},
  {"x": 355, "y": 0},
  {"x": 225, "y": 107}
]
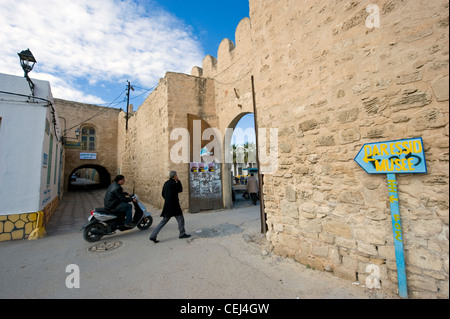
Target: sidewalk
[{"x": 226, "y": 257}]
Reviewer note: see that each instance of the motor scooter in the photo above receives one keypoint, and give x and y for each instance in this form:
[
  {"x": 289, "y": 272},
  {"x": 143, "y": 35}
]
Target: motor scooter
[{"x": 102, "y": 222}]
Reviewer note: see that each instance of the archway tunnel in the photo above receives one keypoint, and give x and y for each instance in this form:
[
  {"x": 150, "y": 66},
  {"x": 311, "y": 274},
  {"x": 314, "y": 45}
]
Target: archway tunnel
[{"x": 88, "y": 177}]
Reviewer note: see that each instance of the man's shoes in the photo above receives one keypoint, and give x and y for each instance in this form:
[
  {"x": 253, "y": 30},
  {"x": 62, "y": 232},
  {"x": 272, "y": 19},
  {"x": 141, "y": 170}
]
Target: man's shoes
[
  {"x": 130, "y": 225},
  {"x": 154, "y": 240},
  {"x": 185, "y": 236}
]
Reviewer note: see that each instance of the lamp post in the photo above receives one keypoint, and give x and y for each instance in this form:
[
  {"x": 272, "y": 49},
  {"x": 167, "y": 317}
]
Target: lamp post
[
  {"x": 27, "y": 61},
  {"x": 77, "y": 136}
]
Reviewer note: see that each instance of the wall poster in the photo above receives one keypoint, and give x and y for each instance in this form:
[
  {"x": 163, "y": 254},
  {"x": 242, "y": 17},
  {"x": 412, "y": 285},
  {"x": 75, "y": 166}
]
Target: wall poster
[{"x": 205, "y": 187}]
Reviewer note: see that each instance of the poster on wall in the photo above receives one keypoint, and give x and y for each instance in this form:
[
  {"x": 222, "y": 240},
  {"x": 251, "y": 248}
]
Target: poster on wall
[{"x": 205, "y": 186}]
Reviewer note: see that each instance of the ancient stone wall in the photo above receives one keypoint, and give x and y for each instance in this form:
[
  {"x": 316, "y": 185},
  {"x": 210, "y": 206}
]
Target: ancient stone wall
[
  {"x": 145, "y": 148},
  {"x": 75, "y": 115},
  {"x": 330, "y": 84},
  {"x": 231, "y": 72}
]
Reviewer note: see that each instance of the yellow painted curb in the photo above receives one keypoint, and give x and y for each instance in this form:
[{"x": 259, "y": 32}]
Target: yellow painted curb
[{"x": 39, "y": 232}]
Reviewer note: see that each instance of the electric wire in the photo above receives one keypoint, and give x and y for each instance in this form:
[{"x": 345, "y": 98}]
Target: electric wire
[{"x": 97, "y": 114}]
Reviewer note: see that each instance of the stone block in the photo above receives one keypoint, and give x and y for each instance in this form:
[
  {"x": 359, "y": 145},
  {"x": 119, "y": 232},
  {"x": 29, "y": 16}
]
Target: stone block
[
  {"x": 326, "y": 140},
  {"x": 349, "y": 135},
  {"x": 350, "y": 263},
  {"x": 367, "y": 248},
  {"x": 387, "y": 252},
  {"x": 345, "y": 242},
  {"x": 285, "y": 147},
  {"x": 421, "y": 282},
  {"x": 424, "y": 259},
  {"x": 320, "y": 251},
  {"x": 347, "y": 116},
  {"x": 411, "y": 97},
  {"x": 290, "y": 193},
  {"x": 345, "y": 273},
  {"x": 409, "y": 77},
  {"x": 361, "y": 88},
  {"x": 289, "y": 209},
  {"x": 351, "y": 197},
  {"x": 17, "y": 234},
  {"x": 440, "y": 88},
  {"x": 371, "y": 234},
  {"x": 8, "y": 226},
  {"x": 425, "y": 228},
  {"x": 307, "y": 125},
  {"x": 278, "y": 227},
  {"x": 338, "y": 228}
]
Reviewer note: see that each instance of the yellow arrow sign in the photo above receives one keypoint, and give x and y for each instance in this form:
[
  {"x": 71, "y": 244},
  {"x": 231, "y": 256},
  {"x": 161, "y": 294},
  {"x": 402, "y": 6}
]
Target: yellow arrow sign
[
  {"x": 393, "y": 199},
  {"x": 367, "y": 160}
]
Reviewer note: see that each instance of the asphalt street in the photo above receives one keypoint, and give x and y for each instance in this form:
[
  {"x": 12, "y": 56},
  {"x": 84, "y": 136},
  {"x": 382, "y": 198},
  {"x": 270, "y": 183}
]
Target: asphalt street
[{"x": 226, "y": 257}]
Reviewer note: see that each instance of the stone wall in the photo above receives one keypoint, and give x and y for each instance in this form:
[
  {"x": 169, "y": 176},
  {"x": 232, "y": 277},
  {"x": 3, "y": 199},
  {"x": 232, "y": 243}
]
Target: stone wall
[
  {"x": 75, "y": 115},
  {"x": 330, "y": 84},
  {"x": 145, "y": 148}
]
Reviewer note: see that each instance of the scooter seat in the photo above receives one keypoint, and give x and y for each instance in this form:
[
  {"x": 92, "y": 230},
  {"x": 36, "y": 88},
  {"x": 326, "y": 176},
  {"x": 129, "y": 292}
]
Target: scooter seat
[{"x": 103, "y": 210}]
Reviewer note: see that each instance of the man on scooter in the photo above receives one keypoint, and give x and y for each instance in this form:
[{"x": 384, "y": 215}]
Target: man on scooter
[{"x": 116, "y": 200}]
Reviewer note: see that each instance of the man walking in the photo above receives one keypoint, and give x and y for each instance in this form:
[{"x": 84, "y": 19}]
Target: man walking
[
  {"x": 252, "y": 188},
  {"x": 171, "y": 207}
]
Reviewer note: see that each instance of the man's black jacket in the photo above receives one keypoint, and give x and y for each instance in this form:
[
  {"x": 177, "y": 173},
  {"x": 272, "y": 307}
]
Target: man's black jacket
[{"x": 114, "y": 196}]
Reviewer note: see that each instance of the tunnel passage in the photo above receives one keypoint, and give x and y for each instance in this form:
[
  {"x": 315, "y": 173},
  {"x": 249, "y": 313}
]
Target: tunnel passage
[{"x": 102, "y": 180}]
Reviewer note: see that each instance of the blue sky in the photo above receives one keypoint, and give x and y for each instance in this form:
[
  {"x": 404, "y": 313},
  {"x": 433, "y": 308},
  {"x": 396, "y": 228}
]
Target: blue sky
[{"x": 88, "y": 50}]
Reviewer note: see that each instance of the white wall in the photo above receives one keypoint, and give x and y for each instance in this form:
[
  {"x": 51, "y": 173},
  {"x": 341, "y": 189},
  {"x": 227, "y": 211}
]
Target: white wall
[
  {"x": 23, "y": 141},
  {"x": 49, "y": 188}
]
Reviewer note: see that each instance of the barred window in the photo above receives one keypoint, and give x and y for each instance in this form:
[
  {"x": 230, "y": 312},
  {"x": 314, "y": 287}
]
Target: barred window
[{"x": 88, "y": 139}]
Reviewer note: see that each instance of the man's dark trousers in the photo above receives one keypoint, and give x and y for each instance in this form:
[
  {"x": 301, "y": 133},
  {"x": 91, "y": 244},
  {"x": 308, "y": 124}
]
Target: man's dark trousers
[
  {"x": 127, "y": 208},
  {"x": 164, "y": 221}
]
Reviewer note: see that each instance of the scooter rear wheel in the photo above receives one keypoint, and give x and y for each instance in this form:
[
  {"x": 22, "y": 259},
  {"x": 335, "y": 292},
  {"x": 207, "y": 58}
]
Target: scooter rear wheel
[
  {"x": 145, "y": 223},
  {"x": 94, "y": 232}
]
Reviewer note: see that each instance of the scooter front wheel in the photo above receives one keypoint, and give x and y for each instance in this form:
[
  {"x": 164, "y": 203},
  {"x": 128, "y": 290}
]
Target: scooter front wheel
[
  {"x": 94, "y": 232},
  {"x": 145, "y": 223}
]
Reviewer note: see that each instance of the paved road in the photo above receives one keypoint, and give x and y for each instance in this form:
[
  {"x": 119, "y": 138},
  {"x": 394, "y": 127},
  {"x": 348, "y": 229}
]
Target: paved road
[{"x": 226, "y": 257}]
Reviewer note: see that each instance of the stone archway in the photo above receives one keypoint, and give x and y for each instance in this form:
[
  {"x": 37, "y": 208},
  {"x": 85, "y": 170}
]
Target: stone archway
[
  {"x": 104, "y": 177},
  {"x": 227, "y": 181},
  {"x": 205, "y": 178}
]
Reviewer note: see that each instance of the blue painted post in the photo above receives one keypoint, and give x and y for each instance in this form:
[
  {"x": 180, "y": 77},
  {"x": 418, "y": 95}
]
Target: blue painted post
[{"x": 398, "y": 239}]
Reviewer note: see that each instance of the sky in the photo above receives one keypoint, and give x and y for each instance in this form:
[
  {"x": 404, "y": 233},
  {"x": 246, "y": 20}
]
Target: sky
[{"x": 89, "y": 49}]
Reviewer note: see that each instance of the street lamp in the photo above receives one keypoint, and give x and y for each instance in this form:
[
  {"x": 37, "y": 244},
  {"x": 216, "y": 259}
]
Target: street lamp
[
  {"x": 27, "y": 61},
  {"x": 77, "y": 136}
]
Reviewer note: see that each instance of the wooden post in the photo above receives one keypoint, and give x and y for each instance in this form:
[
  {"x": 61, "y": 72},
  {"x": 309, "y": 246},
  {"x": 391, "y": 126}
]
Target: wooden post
[
  {"x": 260, "y": 176},
  {"x": 398, "y": 237}
]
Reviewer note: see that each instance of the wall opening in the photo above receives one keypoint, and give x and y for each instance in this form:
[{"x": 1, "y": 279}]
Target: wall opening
[
  {"x": 243, "y": 149},
  {"x": 205, "y": 177},
  {"x": 88, "y": 177}
]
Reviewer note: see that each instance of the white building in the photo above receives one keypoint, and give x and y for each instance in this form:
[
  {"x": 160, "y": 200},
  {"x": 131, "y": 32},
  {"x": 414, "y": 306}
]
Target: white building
[{"x": 31, "y": 157}]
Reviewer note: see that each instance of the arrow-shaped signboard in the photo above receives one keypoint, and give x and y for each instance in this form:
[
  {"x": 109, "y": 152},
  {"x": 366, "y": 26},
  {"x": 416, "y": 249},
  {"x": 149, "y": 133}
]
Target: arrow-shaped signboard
[
  {"x": 393, "y": 157},
  {"x": 390, "y": 158}
]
